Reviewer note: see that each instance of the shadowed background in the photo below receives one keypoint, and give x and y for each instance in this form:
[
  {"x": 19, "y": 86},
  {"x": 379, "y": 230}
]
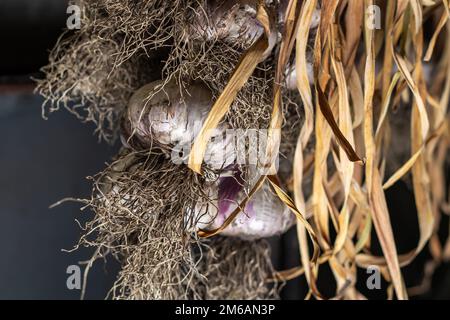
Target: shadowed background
[{"x": 41, "y": 162}]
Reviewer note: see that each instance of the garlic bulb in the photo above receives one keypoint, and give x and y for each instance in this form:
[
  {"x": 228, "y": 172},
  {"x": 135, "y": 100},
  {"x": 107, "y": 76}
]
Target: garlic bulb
[
  {"x": 264, "y": 215},
  {"x": 291, "y": 74},
  {"x": 160, "y": 111},
  {"x": 315, "y": 19},
  {"x": 232, "y": 21},
  {"x": 163, "y": 113}
]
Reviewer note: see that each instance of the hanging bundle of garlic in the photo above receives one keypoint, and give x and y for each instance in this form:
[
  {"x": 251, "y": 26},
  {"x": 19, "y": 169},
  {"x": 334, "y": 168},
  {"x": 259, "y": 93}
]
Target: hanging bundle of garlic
[
  {"x": 243, "y": 65},
  {"x": 138, "y": 199}
]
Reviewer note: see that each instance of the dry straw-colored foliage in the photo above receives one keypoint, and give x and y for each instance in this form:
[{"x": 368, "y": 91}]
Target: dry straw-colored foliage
[{"x": 376, "y": 93}]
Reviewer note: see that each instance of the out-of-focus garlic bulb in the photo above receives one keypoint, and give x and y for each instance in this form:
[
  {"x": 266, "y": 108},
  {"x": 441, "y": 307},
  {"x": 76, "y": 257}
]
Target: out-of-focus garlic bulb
[
  {"x": 291, "y": 74},
  {"x": 110, "y": 190},
  {"x": 315, "y": 19},
  {"x": 163, "y": 113},
  {"x": 232, "y": 21},
  {"x": 264, "y": 215}
]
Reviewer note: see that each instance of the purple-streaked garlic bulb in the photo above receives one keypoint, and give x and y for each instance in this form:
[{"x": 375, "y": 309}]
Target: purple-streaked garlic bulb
[
  {"x": 169, "y": 116},
  {"x": 264, "y": 215}
]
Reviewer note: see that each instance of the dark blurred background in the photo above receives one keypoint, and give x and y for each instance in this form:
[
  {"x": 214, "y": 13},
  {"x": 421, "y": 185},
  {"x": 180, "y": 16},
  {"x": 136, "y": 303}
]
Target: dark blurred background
[{"x": 43, "y": 161}]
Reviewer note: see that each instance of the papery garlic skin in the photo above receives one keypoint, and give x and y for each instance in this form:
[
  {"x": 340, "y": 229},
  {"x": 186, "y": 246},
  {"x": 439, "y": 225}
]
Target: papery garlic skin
[
  {"x": 167, "y": 115},
  {"x": 204, "y": 212}
]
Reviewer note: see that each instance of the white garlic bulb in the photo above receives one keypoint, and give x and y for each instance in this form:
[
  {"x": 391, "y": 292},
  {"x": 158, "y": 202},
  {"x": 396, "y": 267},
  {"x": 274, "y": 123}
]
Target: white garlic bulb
[
  {"x": 291, "y": 76},
  {"x": 264, "y": 215},
  {"x": 169, "y": 116},
  {"x": 231, "y": 21},
  {"x": 315, "y": 19},
  {"x": 161, "y": 111}
]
